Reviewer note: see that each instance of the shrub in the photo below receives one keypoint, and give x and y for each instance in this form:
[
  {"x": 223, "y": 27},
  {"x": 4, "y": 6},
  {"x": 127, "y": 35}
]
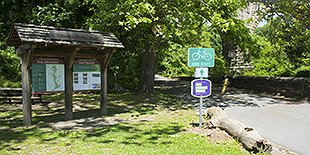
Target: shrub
[{"x": 303, "y": 71}]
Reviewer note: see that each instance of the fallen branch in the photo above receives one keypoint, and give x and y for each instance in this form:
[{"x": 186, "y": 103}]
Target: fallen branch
[{"x": 249, "y": 138}]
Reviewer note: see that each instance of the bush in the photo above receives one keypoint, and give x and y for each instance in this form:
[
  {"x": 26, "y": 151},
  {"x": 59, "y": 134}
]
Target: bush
[
  {"x": 173, "y": 62},
  {"x": 270, "y": 60},
  {"x": 7, "y": 83},
  {"x": 220, "y": 67},
  {"x": 124, "y": 70},
  {"x": 9, "y": 65},
  {"x": 303, "y": 71}
]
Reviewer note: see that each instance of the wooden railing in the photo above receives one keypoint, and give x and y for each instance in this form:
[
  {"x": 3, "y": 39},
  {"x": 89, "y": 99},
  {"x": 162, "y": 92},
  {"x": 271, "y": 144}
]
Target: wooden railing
[{"x": 14, "y": 95}]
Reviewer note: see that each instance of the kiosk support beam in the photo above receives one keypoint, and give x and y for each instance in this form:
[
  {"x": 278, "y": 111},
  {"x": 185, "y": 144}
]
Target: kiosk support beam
[
  {"x": 104, "y": 82},
  {"x": 69, "y": 85},
  {"x": 26, "y": 58}
]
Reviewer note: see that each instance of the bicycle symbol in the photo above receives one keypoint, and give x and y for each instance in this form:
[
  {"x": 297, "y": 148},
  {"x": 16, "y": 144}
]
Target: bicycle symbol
[{"x": 201, "y": 54}]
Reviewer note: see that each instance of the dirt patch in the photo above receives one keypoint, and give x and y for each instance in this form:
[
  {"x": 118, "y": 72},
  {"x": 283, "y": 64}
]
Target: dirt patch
[
  {"x": 84, "y": 123},
  {"x": 92, "y": 123},
  {"x": 215, "y": 135}
]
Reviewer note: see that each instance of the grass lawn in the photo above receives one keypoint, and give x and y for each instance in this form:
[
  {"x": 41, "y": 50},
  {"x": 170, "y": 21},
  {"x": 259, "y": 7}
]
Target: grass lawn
[{"x": 157, "y": 125}]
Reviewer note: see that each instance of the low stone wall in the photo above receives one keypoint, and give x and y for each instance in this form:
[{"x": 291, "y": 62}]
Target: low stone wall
[{"x": 287, "y": 86}]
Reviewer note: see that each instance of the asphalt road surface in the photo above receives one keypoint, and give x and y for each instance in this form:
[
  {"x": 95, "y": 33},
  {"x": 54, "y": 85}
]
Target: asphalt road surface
[{"x": 283, "y": 122}]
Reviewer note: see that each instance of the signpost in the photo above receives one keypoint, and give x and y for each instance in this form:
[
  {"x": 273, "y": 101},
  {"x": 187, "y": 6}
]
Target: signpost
[{"x": 201, "y": 58}]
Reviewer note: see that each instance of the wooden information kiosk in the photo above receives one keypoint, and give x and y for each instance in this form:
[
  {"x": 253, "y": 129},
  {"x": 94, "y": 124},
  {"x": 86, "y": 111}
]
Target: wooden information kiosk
[{"x": 45, "y": 43}]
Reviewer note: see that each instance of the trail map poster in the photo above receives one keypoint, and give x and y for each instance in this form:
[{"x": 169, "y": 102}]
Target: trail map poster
[
  {"x": 86, "y": 75},
  {"x": 48, "y": 75},
  {"x": 55, "y": 77}
]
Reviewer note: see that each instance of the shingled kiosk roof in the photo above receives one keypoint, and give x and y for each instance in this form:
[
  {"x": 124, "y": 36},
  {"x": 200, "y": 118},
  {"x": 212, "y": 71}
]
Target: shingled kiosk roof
[{"x": 29, "y": 33}]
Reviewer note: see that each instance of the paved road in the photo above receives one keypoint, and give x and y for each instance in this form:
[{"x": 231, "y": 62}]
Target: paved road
[{"x": 282, "y": 121}]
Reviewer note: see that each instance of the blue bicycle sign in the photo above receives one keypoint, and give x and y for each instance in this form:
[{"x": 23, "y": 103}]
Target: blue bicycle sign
[{"x": 201, "y": 57}]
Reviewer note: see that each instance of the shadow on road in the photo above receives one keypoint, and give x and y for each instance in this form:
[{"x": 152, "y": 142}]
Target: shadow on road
[{"x": 233, "y": 97}]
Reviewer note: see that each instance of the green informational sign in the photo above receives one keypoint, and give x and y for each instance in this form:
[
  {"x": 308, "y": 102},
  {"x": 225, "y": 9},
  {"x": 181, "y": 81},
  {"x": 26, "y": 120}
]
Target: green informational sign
[
  {"x": 201, "y": 57},
  {"x": 86, "y": 68},
  {"x": 38, "y": 78},
  {"x": 48, "y": 75}
]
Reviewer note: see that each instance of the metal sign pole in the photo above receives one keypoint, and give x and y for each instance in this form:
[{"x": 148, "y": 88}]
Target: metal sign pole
[
  {"x": 200, "y": 110},
  {"x": 200, "y": 113}
]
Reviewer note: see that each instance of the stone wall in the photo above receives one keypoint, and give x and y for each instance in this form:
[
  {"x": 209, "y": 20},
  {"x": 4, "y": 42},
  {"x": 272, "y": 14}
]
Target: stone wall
[{"x": 287, "y": 86}]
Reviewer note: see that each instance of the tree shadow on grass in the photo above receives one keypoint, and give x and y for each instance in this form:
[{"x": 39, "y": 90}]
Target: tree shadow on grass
[
  {"x": 135, "y": 134},
  {"x": 12, "y": 131},
  {"x": 126, "y": 133},
  {"x": 118, "y": 104}
]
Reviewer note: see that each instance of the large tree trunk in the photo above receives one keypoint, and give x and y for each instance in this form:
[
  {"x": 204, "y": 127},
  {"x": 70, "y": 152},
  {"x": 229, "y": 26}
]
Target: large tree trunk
[
  {"x": 147, "y": 72},
  {"x": 249, "y": 138}
]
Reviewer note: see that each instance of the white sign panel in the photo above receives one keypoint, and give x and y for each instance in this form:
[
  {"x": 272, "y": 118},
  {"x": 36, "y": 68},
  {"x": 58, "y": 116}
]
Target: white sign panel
[
  {"x": 201, "y": 72},
  {"x": 86, "y": 80}
]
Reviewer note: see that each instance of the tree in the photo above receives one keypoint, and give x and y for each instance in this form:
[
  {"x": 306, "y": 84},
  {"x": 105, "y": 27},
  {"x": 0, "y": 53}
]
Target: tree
[
  {"x": 288, "y": 26},
  {"x": 149, "y": 26},
  {"x": 57, "y": 13},
  {"x": 13, "y": 11},
  {"x": 146, "y": 28},
  {"x": 71, "y": 14}
]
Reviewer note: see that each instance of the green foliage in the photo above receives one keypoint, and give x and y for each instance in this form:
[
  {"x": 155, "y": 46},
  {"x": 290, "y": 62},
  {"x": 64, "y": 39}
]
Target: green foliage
[
  {"x": 173, "y": 62},
  {"x": 288, "y": 28},
  {"x": 8, "y": 83},
  {"x": 123, "y": 69},
  {"x": 52, "y": 15},
  {"x": 303, "y": 71},
  {"x": 9, "y": 64},
  {"x": 13, "y": 11},
  {"x": 171, "y": 28},
  {"x": 268, "y": 61},
  {"x": 285, "y": 47},
  {"x": 73, "y": 13},
  {"x": 220, "y": 68}
]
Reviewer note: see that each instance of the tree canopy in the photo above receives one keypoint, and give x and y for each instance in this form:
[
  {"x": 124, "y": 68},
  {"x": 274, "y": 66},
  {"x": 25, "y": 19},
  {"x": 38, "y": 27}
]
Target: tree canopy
[
  {"x": 150, "y": 27},
  {"x": 156, "y": 35},
  {"x": 288, "y": 32}
]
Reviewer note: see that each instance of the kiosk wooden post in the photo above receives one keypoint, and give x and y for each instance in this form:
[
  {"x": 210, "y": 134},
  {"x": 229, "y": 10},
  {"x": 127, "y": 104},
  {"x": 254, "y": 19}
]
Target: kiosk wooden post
[
  {"x": 69, "y": 85},
  {"x": 104, "y": 84},
  {"x": 26, "y": 56}
]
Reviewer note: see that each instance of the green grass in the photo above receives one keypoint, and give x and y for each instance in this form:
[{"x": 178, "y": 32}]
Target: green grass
[{"x": 156, "y": 125}]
